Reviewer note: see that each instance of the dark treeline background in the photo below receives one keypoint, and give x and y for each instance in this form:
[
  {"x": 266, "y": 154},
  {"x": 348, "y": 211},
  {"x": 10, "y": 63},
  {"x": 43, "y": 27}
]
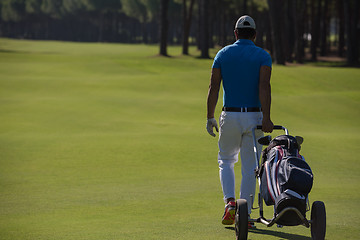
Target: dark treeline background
[{"x": 292, "y": 30}]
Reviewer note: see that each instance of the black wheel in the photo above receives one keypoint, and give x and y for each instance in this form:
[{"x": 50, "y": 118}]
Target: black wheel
[
  {"x": 318, "y": 218},
  {"x": 241, "y": 220}
]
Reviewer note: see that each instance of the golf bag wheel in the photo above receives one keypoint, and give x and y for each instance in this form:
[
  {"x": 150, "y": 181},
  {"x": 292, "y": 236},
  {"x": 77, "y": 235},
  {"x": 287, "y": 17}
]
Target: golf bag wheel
[
  {"x": 241, "y": 220},
  {"x": 318, "y": 218}
]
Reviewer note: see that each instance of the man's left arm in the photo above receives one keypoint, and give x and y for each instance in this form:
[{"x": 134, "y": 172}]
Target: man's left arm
[{"x": 265, "y": 97}]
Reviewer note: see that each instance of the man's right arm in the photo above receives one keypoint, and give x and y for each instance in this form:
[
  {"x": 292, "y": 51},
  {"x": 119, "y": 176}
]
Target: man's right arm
[
  {"x": 265, "y": 97},
  {"x": 213, "y": 93}
]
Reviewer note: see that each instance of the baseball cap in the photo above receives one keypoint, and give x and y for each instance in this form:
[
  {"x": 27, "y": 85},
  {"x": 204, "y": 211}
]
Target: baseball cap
[{"x": 245, "y": 22}]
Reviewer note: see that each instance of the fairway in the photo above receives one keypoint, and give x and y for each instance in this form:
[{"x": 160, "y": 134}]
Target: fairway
[{"x": 108, "y": 141}]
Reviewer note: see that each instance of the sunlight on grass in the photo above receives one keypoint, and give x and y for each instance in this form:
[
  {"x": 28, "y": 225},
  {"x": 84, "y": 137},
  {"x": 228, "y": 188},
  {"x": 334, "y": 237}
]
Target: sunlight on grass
[{"x": 108, "y": 141}]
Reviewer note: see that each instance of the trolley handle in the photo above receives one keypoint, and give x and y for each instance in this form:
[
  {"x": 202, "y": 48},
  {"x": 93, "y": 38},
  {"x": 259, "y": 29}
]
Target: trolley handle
[
  {"x": 259, "y": 127},
  {"x": 276, "y": 127}
]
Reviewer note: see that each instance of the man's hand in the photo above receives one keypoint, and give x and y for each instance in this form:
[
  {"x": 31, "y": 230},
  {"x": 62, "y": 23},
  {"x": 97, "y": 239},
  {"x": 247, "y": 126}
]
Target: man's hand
[
  {"x": 210, "y": 124},
  {"x": 265, "y": 98},
  {"x": 267, "y": 125}
]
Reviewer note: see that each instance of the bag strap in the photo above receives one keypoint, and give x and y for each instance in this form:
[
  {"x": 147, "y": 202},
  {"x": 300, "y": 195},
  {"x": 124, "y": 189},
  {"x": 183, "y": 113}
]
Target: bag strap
[
  {"x": 287, "y": 143},
  {"x": 264, "y": 153},
  {"x": 259, "y": 170}
]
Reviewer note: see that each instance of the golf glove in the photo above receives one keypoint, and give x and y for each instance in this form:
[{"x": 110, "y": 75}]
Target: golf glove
[{"x": 210, "y": 124}]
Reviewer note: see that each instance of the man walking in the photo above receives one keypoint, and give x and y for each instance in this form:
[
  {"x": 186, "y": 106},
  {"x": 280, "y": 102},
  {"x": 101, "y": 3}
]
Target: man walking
[{"x": 245, "y": 70}]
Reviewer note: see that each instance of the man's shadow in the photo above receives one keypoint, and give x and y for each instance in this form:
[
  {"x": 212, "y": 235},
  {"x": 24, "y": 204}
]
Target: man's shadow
[{"x": 281, "y": 235}]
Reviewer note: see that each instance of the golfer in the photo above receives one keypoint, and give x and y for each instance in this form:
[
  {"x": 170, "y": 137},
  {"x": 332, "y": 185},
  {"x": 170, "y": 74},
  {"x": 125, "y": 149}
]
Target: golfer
[{"x": 245, "y": 70}]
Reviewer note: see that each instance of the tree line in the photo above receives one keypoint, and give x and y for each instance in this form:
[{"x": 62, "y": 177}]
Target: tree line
[{"x": 291, "y": 30}]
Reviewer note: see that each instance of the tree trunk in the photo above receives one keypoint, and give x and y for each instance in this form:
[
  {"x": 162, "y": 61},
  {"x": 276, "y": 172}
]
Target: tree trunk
[
  {"x": 164, "y": 23},
  {"x": 276, "y": 20},
  {"x": 315, "y": 27},
  {"x": 292, "y": 30},
  {"x": 324, "y": 28},
  {"x": 259, "y": 36},
  {"x": 340, "y": 7},
  {"x": 269, "y": 41},
  {"x": 144, "y": 32},
  {"x": 187, "y": 17},
  {"x": 204, "y": 28},
  {"x": 351, "y": 21},
  {"x": 301, "y": 16},
  {"x": 101, "y": 27},
  {"x": 245, "y": 7},
  {"x": 222, "y": 32},
  {"x": 356, "y": 32}
]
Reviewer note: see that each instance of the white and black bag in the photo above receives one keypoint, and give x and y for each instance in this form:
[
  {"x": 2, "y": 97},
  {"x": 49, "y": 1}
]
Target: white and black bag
[{"x": 286, "y": 179}]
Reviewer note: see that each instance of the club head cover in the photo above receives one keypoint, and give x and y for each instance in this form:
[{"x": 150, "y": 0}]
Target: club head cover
[{"x": 265, "y": 140}]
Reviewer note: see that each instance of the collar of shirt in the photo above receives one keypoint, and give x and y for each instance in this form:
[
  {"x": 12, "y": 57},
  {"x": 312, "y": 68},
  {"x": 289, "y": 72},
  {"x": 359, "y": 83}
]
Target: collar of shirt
[{"x": 244, "y": 42}]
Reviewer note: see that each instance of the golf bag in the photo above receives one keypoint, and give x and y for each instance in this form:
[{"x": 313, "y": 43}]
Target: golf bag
[{"x": 286, "y": 179}]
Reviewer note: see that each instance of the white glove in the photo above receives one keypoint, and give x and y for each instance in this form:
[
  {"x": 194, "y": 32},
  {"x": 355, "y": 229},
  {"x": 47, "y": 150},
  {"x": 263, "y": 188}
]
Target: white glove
[{"x": 210, "y": 124}]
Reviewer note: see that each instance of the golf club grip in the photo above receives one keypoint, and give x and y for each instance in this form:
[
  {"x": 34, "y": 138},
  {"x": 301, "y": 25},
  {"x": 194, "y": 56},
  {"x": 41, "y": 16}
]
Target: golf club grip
[{"x": 276, "y": 127}]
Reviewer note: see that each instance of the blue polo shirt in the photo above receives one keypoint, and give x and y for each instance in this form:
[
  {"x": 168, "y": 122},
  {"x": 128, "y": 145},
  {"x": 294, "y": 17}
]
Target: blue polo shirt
[{"x": 240, "y": 67}]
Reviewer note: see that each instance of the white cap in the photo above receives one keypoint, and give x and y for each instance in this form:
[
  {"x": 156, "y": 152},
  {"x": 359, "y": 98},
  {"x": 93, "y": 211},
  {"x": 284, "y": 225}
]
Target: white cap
[{"x": 245, "y": 22}]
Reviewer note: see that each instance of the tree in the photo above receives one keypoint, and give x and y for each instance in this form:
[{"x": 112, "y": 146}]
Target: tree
[
  {"x": 325, "y": 19},
  {"x": 145, "y": 12},
  {"x": 100, "y": 8},
  {"x": 175, "y": 32},
  {"x": 341, "y": 32},
  {"x": 300, "y": 11},
  {"x": 277, "y": 30},
  {"x": 164, "y": 25},
  {"x": 351, "y": 12},
  {"x": 33, "y": 6},
  {"x": 13, "y": 13},
  {"x": 53, "y": 8},
  {"x": 34, "y": 17},
  {"x": 245, "y": 6},
  {"x": 315, "y": 27},
  {"x": 12, "y": 10},
  {"x": 153, "y": 12},
  {"x": 204, "y": 28},
  {"x": 187, "y": 17},
  {"x": 283, "y": 27},
  {"x": 137, "y": 9}
]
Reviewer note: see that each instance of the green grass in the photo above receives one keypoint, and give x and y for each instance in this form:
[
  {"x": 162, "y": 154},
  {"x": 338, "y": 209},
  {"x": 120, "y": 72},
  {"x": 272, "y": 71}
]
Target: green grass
[{"x": 108, "y": 141}]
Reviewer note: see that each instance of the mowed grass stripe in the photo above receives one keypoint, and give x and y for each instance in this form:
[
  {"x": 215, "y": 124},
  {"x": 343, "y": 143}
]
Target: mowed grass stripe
[{"x": 108, "y": 141}]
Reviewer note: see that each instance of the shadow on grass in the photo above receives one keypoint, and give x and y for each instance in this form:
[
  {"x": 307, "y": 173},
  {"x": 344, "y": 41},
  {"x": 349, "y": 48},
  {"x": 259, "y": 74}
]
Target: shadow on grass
[
  {"x": 23, "y": 52},
  {"x": 282, "y": 235},
  {"x": 9, "y": 51},
  {"x": 335, "y": 64}
]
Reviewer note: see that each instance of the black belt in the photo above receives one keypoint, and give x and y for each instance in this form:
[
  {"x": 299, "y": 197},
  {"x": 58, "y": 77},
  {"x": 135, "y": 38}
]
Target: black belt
[{"x": 242, "y": 109}]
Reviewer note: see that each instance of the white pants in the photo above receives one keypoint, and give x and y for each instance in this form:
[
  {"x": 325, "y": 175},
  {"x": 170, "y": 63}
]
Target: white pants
[{"x": 235, "y": 136}]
